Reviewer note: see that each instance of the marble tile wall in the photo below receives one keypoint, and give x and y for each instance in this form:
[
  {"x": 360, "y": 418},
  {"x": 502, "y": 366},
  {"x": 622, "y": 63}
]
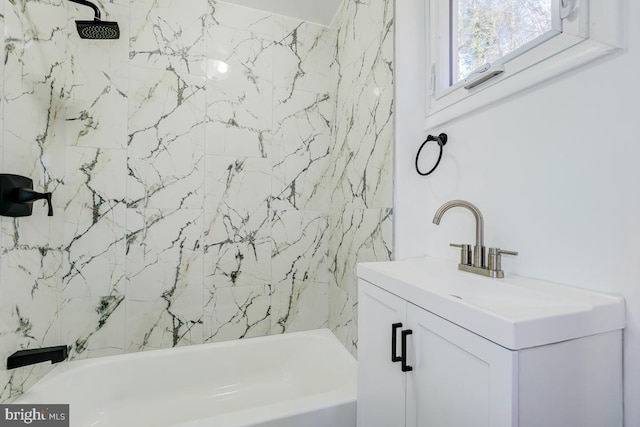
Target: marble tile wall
[
  {"x": 31, "y": 261},
  {"x": 360, "y": 219},
  {"x": 217, "y": 172}
]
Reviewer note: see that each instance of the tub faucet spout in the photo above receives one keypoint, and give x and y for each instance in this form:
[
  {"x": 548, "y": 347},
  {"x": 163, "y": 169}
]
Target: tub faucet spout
[
  {"x": 37, "y": 355},
  {"x": 478, "y": 249}
]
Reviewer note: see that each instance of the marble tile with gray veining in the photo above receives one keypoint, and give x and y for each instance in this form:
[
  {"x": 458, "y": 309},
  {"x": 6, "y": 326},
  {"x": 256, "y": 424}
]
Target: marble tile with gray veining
[
  {"x": 361, "y": 29},
  {"x": 242, "y": 18},
  {"x": 15, "y": 382},
  {"x": 30, "y": 274},
  {"x": 164, "y": 293},
  {"x": 299, "y": 297},
  {"x": 239, "y": 184},
  {"x": 343, "y": 318},
  {"x": 301, "y": 55},
  {"x": 362, "y": 78},
  {"x": 163, "y": 323},
  {"x": 98, "y": 73},
  {"x": 237, "y": 250},
  {"x": 167, "y": 35},
  {"x": 34, "y": 80},
  {"x": 166, "y": 137},
  {"x": 302, "y": 143},
  {"x": 164, "y": 254},
  {"x": 30, "y": 291},
  {"x": 365, "y": 176},
  {"x": 102, "y": 329},
  {"x": 354, "y": 236},
  {"x": 236, "y": 313},
  {"x": 97, "y": 113},
  {"x": 299, "y": 306},
  {"x": 95, "y": 222},
  {"x": 2, "y": 102},
  {"x": 239, "y": 93},
  {"x": 299, "y": 246},
  {"x": 360, "y": 169},
  {"x": 359, "y": 235},
  {"x": 237, "y": 228},
  {"x": 2, "y": 65},
  {"x": 30, "y": 265}
]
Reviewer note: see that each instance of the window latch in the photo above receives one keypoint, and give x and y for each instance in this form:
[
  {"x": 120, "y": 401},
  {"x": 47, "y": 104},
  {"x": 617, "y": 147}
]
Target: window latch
[{"x": 482, "y": 74}]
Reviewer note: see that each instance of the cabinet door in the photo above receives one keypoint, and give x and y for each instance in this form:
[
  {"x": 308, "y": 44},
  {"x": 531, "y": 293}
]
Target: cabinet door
[
  {"x": 381, "y": 383},
  {"x": 459, "y": 379}
]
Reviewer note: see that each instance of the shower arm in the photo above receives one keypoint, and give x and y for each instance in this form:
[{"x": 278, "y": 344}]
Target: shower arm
[{"x": 91, "y": 5}]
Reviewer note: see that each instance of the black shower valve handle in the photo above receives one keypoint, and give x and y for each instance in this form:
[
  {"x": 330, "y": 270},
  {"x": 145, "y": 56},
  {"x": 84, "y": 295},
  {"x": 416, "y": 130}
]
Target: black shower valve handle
[
  {"x": 49, "y": 204},
  {"x": 26, "y": 195}
]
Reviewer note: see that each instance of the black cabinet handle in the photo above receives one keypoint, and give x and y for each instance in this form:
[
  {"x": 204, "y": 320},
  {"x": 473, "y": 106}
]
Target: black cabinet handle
[
  {"x": 405, "y": 367},
  {"x": 394, "y": 330}
]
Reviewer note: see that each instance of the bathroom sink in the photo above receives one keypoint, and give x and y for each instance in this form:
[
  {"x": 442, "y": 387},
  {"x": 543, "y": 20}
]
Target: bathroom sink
[
  {"x": 514, "y": 312},
  {"x": 531, "y": 305}
]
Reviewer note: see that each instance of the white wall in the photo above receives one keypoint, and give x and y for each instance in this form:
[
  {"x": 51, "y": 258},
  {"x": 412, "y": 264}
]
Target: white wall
[{"x": 555, "y": 171}]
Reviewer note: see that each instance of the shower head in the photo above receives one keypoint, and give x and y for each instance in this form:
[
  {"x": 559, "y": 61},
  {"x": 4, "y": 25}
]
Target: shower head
[{"x": 96, "y": 29}]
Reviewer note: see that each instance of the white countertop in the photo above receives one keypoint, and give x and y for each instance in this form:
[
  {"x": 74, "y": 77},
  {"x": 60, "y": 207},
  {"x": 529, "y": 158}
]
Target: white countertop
[{"x": 514, "y": 312}]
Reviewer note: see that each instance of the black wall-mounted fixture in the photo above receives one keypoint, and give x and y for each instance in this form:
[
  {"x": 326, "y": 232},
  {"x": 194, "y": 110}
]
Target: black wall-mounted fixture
[
  {"x": 96, "y": 29},
  {"x": 37, "y": 355},
  {"x": 441, "y": 140},
  {"x": 17, "y": 196}
]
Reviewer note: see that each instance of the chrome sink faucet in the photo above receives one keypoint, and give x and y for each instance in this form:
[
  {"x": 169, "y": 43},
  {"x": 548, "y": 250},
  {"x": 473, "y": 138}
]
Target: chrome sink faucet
[
  {"x": 479, "y": 264},
  {"x": 478, "y": 249}
]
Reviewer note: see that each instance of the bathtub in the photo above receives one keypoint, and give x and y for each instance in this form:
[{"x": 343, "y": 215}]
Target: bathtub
[{"x": 303, "y": 379}]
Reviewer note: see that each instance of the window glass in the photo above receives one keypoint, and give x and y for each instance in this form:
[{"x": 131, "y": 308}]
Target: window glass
[{"x": 484, "y": 31}]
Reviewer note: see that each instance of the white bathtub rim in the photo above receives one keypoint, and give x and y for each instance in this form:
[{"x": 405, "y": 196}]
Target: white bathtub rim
[
  {"x": 93, "y": 363},
  {"x": 343, "y": 394}
]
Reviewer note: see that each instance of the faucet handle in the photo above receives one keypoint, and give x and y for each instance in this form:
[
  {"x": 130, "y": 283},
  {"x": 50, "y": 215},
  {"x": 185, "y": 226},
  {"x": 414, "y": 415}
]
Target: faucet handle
[
  {"x": 27, "y": 195},
  {"x": 465, "y": 253},
  {"x": 495, "y": 259}
]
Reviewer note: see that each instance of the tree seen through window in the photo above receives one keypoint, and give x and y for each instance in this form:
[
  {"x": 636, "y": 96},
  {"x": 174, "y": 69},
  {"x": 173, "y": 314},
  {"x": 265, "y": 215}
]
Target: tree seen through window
[{"x": 490, "y": 29}]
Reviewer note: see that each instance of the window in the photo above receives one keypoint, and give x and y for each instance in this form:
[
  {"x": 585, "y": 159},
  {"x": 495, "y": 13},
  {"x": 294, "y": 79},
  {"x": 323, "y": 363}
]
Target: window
[
  {"x": 484, "y": 50},
  {"x": 485, "y": 31}
]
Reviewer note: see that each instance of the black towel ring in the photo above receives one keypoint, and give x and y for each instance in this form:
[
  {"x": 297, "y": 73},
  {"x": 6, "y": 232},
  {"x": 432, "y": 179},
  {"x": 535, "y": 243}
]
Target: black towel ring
[{"x": 442, "y": 141}]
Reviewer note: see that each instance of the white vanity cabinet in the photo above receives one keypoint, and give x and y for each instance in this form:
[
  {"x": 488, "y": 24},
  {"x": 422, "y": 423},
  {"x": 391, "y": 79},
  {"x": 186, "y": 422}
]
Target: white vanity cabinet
[
  {"x": 454, "y": 372},
  {"x": 454, "y": 377}
]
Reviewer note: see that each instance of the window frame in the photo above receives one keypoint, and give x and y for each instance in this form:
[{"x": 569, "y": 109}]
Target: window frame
[{"x": 590, "y": 31}]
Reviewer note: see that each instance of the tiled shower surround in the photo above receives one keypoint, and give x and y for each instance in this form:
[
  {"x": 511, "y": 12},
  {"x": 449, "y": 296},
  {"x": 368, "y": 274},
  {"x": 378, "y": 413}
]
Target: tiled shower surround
[{"x": 216, "y": 174}]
